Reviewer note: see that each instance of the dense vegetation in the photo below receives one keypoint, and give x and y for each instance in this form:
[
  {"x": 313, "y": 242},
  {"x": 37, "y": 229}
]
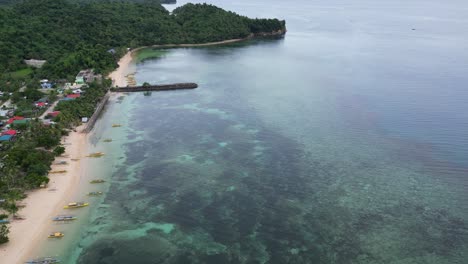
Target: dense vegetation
[{"x": 76, "y": 35}]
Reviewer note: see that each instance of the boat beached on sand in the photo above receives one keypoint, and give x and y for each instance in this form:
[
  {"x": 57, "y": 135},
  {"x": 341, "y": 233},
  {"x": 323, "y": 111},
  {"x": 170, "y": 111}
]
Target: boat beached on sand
[
  {"x": 56, "y": 235},
  {"x": 64, "y": 218},
  {"x": 46, "y": 260},
  {"x": 75, "y": 205}
]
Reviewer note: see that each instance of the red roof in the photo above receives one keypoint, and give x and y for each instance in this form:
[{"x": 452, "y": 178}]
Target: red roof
[
  {"x": 54, "y": 113},
  {"x": 10, "y": 132},
  {"x": 41, "y": 104},
  {"x": 14, "y": 118},
  {"x": 73, "y": 95}
]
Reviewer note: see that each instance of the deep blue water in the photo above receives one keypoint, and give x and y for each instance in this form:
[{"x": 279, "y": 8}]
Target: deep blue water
[{"x": 344, "y": 142}]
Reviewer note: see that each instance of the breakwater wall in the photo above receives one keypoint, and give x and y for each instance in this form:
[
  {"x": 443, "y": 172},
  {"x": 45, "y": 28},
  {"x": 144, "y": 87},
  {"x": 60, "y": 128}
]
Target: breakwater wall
[
  {"x": 92, "y": 121},
  {"x": 164, "y": 87}
]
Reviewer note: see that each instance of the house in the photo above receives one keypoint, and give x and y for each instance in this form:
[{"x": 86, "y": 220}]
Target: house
[
  {"x": 6, "y": 138},
  {"x": 45, "y": 84},
  {"x": 84, "y": 120},
  {"x": 87, "y": 76},
  {"x": 40, "y": 104},
  {"x": 10, "y": 132},
  {"x": 112, "y": 51},
  {"x": 74, "y": 96},
  {"x": 77, "y": 91},
  {"x": 54, "y": 114},
  {"x": 20, "y": 122},
  {"x": 67, "y": 99},
  {"x": 15, "y": 118}
]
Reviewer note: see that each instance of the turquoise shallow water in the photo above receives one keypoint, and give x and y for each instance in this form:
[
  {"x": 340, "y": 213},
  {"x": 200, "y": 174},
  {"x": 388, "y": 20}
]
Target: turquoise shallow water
[{"x": 345, "y": 142}]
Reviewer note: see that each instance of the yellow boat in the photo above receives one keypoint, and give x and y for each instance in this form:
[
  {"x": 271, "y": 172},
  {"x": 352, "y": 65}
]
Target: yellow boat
[
  {"x": 96, "y": 155},
  {"x": 56, "y": 235},
  {"x": 116, "y": 125},
  {"x": 75, "y": 205}
]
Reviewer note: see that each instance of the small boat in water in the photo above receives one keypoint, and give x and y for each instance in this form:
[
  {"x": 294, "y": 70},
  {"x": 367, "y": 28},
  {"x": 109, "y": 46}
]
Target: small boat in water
[
  {"x": 95, "y": 193},
  {"x": 97, "y": 181},
  {"x": 56, "y": 235},
  {"x": 75, "y": 205},
  {"x": 116, "y": 125},
  {"x": 64, "y": 218},
  {"x": 46, "y": 260}
]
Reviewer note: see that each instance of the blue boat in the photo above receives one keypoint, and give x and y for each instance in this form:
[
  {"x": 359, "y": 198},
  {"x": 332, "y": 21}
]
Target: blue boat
[
  {"x": 4, "y": 221},
  {"x": 46, "y": 260},
  {"x": 64, "y": 218}
]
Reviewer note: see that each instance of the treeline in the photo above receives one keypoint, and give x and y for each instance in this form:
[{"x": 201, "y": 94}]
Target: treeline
[{"x": 75, "y": 35}]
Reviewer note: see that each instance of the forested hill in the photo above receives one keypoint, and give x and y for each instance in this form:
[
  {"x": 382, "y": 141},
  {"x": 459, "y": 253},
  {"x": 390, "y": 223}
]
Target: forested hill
[
  {"x": 8, "y": 2},
  {"x": 73, "y": 35}
]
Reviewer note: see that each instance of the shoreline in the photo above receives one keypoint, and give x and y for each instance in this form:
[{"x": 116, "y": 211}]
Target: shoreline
[{"x": 27, "y": 235}]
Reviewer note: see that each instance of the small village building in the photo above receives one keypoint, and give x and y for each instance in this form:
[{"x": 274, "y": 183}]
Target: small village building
[
  {"x": 35, "y": 63},
  {"x": 87, "y": 76},
  {"x": 54, "y": 114},
  {"x": 20, "y": 122},
  {"x": 40, "y": 104},
  {"x": 45, "y": 84},
  {"x": 15, "y": 118},
  {"x": 67, "y": 99},
  {"x": 74, "y": 96},
  {"x": 84, "y": 120},
  {"x": 10, "y": 132},
  {"x": 6, "y": 138}
]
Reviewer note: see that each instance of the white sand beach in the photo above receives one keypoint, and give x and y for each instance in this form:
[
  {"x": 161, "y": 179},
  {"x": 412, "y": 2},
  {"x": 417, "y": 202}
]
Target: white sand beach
[
  {"x": 43, "y": 204},
  {"x": 119, "y": 76}
]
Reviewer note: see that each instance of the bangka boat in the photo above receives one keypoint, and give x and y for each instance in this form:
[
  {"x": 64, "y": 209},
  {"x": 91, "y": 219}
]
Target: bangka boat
[
  {"x": 97, "y": 181},
  {"x": 95, "y": 193},
  {"x": 4, "y": 221},
  {"x": 75, "y": 205},
  {"x": 64, "y": 218},
  {"x": 96, "y": 155},
  {"x": 56, "y": 235},
  {"x": 46, "y": 260},
  {"x": 116, "y": 125}
]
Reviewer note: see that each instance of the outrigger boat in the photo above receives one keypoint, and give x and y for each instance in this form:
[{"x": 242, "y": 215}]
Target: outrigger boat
[
  {"x": 64, "y": 218},
  {"x": 56, "y": 235},
  {"x": 95, "y": 193},
  {"x": 75, "y": 205},
  {"x": 97, "y": 181},
  {"x": 96, "y": 155},
  {"x": 46, "y": 260}
]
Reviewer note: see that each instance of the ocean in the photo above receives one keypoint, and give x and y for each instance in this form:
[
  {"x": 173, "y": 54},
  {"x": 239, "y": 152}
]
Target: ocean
[{"x": 344, "y": 142}]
